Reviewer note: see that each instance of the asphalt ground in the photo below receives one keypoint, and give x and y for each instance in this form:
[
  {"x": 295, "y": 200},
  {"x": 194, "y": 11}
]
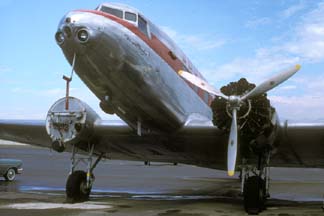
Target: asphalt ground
[{"x": 131, "y": 188}]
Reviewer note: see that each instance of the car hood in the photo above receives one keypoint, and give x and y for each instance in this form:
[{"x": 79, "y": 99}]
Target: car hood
[{"x": 10, "y": 161}]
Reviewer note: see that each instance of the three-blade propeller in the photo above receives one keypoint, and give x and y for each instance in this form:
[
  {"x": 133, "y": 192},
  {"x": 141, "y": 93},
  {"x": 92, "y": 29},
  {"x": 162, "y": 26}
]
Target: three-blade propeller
[{"x": 235, "y": 102}]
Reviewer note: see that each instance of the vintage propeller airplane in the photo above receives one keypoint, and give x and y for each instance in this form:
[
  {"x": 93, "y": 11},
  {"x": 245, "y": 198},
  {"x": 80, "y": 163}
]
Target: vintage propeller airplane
[{"x": 170, "y": 112}]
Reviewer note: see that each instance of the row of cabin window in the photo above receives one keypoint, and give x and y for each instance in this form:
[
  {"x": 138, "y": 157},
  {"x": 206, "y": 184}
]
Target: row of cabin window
[{"x": 142, "y": 24}]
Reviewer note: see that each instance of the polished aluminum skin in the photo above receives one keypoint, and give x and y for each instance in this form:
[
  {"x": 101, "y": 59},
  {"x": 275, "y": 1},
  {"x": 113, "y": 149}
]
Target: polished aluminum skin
[{"x": 121, "y": 69}]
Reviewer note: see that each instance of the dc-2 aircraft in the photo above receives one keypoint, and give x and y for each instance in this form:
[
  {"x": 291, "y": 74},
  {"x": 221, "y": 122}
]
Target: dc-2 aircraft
[{"x": 170, "y": 112}]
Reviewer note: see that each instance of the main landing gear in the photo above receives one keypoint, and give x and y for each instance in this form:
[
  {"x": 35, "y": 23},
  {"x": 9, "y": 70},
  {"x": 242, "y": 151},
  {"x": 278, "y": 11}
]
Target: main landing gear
[
  {"x": 79, "y": 183},
  {"x": 255, "y": 185}
]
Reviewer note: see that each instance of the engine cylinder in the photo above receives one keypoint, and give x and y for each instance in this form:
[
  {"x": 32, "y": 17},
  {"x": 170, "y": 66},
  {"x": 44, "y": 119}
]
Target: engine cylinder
[{"x": 73, "y": 125}]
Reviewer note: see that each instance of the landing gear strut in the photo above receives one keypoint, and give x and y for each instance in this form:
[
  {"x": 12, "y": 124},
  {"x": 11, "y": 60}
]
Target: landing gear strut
[
  {"x": 255, "y": 185},
  {"x": 79, "y": 183}
]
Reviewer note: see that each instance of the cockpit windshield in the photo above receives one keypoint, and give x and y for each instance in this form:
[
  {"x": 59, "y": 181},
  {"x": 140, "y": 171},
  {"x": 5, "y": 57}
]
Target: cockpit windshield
[
  {"x": 118, "y": 12},
  {"x": 126, "y": 14},
  {"x": 130, "y": 16},
  {"x": 112, "y": 11}
]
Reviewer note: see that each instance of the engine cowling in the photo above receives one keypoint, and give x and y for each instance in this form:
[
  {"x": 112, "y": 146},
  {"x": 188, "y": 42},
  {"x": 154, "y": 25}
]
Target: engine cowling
[{"x": 72, "y": 126}]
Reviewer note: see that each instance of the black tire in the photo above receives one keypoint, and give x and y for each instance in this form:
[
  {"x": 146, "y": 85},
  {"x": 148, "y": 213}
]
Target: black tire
[
  {"x": 10, "y": 174},
  {"x": 58, "y": 146},
  {"x": 254, "y": 195},
  {"x": 76, "y": 190}
]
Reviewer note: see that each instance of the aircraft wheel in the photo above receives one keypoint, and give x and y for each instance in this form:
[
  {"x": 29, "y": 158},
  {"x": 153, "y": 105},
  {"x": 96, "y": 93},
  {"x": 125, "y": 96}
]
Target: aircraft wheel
[
  {"x": 10, "y": 175},
  {"x": 254, "y": 195},
  {"x": 76, "y": 187}
]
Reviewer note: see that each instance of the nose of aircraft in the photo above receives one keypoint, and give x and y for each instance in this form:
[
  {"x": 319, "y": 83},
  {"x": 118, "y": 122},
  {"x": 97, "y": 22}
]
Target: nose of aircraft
[
  {"x": 86, "y": 34},
  {"x": 77, "y": 28}
]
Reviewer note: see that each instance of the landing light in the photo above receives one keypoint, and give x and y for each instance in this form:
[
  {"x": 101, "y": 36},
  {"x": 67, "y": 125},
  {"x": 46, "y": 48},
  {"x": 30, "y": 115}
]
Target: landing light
[
  {"x": 83, "y": 35},
  {"x": 59, "y": 37}
]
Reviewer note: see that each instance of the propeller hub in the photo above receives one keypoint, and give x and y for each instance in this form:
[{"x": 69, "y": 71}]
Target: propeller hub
[{"x": 234, "y": 101}]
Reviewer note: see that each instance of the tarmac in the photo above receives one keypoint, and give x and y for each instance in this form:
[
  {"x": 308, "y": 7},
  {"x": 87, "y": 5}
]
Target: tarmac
[{"x": 131, "y": 188}]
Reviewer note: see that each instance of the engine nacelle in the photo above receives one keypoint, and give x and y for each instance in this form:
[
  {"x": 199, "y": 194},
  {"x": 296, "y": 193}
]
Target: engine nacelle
[{"x": 70, "y": 126}]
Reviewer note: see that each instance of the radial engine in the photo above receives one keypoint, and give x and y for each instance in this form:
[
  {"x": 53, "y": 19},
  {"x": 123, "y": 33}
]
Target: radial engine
[{"x": 257, "y": 119}]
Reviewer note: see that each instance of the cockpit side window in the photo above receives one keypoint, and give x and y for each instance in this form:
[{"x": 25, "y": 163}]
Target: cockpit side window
[
  {"x": 112, "y": 11},
  {"x": 142, "y": 25},
  {"x": 130, "y": 16}
]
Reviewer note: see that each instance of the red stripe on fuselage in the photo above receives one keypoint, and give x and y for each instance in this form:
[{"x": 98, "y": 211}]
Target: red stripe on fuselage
[{"x": 161, "y": 49}]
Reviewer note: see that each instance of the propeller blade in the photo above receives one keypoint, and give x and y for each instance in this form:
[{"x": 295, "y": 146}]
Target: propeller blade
[
  {"x": 200, "y": 83},
  {"x": 272, "y": 82},
  {"x": 232, "y": 145}
]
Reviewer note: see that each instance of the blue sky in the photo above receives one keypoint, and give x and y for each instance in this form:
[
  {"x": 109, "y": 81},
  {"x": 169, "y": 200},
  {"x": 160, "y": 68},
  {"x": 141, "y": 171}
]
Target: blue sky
[{"x": 226, "y": 40}]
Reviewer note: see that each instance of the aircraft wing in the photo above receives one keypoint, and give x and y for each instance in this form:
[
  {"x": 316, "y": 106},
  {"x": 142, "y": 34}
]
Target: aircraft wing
[
  {"x": 34, "y": 131},
  {"x": 298, "y": 145},
  {"x": 25, "y": 131},
  {"x": 192, "y": 145}
]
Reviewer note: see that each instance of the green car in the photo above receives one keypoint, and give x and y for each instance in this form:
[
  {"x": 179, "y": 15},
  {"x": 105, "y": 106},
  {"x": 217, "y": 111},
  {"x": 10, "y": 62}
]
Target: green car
[{"x": 9, "y": 168}]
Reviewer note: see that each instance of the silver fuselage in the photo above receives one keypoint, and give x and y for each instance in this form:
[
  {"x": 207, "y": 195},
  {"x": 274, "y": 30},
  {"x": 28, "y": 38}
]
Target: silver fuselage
[{"x": 120, "y": 68}]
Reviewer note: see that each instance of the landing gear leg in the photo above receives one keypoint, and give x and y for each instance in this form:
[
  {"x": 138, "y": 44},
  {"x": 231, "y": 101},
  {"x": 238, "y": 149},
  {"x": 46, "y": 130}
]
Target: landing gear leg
[
  {"x": 79, "y": 183},
  {"x": 255, "y": 185}
]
